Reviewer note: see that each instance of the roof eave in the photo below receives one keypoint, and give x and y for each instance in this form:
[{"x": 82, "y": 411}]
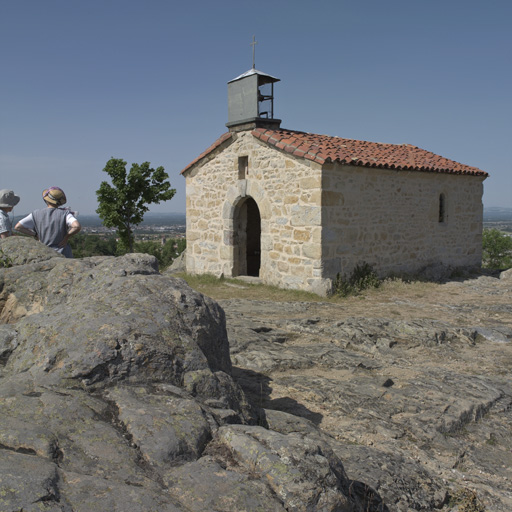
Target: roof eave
[{"x": 226, "y": 137}]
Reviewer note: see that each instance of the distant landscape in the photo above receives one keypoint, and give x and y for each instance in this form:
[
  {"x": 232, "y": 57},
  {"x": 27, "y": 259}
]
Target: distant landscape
[
  {"x": 492, "y": 214},
  {"x": 499, "y": 217},
  {"x": 497, "y": 213},
  {"x": 150, "y": 219},
  {"x": 156, "y": 226}
]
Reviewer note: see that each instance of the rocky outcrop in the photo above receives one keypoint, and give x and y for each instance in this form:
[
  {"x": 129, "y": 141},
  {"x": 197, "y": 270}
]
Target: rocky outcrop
[
  {"x": 411, "y": 386},
  {"x": 117, "y": 393},
  {"x": 123, "y": 389}
]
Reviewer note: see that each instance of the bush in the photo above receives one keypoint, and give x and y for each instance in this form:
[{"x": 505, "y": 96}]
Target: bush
[
  {"x": 85, "y": 245},
  {"x": 497, "y": 249},
  {"x": 165, "y": 254},
  {"x": 466, "y": 500},
  {"x": 363, "y": 277},
  {"x": 5, "y": 261}
]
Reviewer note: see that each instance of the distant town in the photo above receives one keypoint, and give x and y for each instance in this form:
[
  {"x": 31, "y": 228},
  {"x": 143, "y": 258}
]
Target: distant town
[
  {"x": 173, "y": 225},
  {"x": 156, "y": 226},
  {"x": 498, "y": 218}
]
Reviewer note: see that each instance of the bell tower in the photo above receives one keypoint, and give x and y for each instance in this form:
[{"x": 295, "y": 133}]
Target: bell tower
[{"x": 251, "y": 100}]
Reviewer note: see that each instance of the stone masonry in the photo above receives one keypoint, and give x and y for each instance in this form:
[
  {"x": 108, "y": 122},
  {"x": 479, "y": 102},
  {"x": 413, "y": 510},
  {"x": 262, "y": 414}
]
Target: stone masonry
[
  {"x": 318, "y": 220},
  {"x": 391, "y": 219}
]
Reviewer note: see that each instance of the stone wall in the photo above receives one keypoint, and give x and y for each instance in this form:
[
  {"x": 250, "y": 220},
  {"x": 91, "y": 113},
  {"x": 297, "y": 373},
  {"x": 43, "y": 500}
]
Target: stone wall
[
  {"x": 387, "y": 218},
  {"x": 391, "y": 219},
  {"x": 287, "y": 192}
]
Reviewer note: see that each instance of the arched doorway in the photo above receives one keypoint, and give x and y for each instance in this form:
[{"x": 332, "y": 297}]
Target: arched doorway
[{"x": 247, "y": 222}]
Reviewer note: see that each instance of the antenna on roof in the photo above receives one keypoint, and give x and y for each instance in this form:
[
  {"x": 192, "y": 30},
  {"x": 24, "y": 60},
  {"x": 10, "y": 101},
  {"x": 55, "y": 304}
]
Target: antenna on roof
[{"x": 253, "y": 44}]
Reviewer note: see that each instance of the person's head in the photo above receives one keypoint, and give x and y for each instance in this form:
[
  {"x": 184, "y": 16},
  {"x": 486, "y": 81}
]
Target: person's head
[
  {"x": 8, "y": 200},
  {"x": 54, "y": 196}
]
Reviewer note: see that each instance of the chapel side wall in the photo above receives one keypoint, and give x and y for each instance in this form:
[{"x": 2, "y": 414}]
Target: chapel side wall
[
  {"x": 390, "y": 219},
  {"x": 287, "y": 192}
]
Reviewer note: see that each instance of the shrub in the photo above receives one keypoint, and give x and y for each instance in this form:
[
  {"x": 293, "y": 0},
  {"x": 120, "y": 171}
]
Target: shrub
[
  {"x": 5, "y": 261},
  {"x": 497, "y": 249},
  {"x": 85, "y": 245},
  {"x": 363, "y": 277},
  {"x": 466, "y": 500},
  {"x": 165, "y": 254}
]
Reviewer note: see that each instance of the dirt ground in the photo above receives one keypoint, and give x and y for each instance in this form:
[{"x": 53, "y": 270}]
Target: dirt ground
[{"x": 412, "y": 381}]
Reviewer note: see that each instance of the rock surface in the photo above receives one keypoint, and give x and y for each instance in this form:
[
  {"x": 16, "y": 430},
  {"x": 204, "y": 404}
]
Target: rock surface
[
  {"x": 123, "y": 389},
  {"x": 117, "y": 393},
  {"x": 412, "y": 387}
]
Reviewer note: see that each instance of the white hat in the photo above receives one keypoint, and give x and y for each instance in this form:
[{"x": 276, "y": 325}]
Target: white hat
[{"x": 8, "y": 198}]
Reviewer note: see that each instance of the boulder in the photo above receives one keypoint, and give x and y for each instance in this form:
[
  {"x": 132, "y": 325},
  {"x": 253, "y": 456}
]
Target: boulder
[
  {"x": 117, "y": 393},
  {"x": 21, "y": 250},
  {"x": 178, "y": 265}
]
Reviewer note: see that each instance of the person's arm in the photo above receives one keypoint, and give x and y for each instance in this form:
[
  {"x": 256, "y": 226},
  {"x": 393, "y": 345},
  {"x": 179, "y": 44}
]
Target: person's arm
[
  {"x": 5, "y": 228},
  {"x": 22, "y": 229},
  {"x": 74, "y": 228}
]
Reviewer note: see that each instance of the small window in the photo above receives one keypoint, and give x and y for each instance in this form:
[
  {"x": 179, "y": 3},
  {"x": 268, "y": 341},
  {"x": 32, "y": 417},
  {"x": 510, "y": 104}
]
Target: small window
[
  {"x": 243, "y": 167},
  {"x": 442, "y": 208}
]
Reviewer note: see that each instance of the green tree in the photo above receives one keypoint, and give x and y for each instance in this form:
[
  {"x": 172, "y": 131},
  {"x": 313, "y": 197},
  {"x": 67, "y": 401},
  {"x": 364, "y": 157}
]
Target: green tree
[
  {"x": 150, "y": 247},
  {"x": 123, "y": 204},
  {"x": 166, "y": 253},
  {"x": 85, "y": 245},
  {"x": 497, "y": 249},
  {"x": 171, "y": 250}
]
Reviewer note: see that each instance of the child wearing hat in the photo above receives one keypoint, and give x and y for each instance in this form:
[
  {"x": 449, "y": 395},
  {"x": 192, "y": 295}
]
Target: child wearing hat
[
  {"x": 52, "y": 225},
  {"x": 8, "y": 200}
]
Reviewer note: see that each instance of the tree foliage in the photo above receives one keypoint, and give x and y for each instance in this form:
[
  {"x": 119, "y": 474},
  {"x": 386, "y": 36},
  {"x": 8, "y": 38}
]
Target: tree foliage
[
  {"x": 123, "y": 203},
  {"x": 166, "y": 253},
  {"x": 497, "y": 249},
  {"x": 86, "y": 245}
]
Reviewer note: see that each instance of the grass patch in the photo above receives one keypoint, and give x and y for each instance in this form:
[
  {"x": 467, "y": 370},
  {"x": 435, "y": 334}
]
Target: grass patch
[
  {"x": 224, "y": 288},
  {"x": 492, "y": 441},
  {"x": 363, "y": 277},
  {"x": 416, "y": 288},
  {"x": 227, "y": 288}
]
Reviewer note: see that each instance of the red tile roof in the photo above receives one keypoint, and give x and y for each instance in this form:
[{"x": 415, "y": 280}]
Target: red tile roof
[
  {"x": 223, "y": 138},
  {"x": 325, "y": 149}
]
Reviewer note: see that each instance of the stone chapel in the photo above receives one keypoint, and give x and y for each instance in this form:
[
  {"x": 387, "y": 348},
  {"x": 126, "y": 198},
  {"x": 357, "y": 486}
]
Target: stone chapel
[{"x": 296, "y": 209}]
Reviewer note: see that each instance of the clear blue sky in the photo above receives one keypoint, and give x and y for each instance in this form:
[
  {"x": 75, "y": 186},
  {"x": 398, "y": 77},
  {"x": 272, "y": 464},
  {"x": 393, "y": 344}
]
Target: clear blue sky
[{"x": 146, "y": 80}]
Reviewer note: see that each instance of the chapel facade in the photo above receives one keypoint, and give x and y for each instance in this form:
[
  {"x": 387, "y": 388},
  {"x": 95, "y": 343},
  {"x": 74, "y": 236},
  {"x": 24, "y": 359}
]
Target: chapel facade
[{"x": 296, "y": 209}]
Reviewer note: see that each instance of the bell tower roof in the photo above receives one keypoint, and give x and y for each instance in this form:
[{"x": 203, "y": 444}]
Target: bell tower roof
[
  {"x": 251, "y": 100},
  {"x": 253, "y": 71}
]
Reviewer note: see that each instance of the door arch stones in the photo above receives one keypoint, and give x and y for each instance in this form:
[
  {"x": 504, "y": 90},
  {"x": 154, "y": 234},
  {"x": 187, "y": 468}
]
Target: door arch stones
[
  {"x": 246, "y": 215},
  {"x": 247, "y": 250}
]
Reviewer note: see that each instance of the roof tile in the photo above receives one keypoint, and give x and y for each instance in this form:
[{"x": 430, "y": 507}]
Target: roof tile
[
  {"x": 324, "y": 148},
  {"x": 223, "y": 138}
]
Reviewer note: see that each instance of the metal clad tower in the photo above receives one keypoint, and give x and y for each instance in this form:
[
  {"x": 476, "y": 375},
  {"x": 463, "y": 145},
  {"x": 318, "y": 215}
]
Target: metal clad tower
[{"x": 251, "y": 100}]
